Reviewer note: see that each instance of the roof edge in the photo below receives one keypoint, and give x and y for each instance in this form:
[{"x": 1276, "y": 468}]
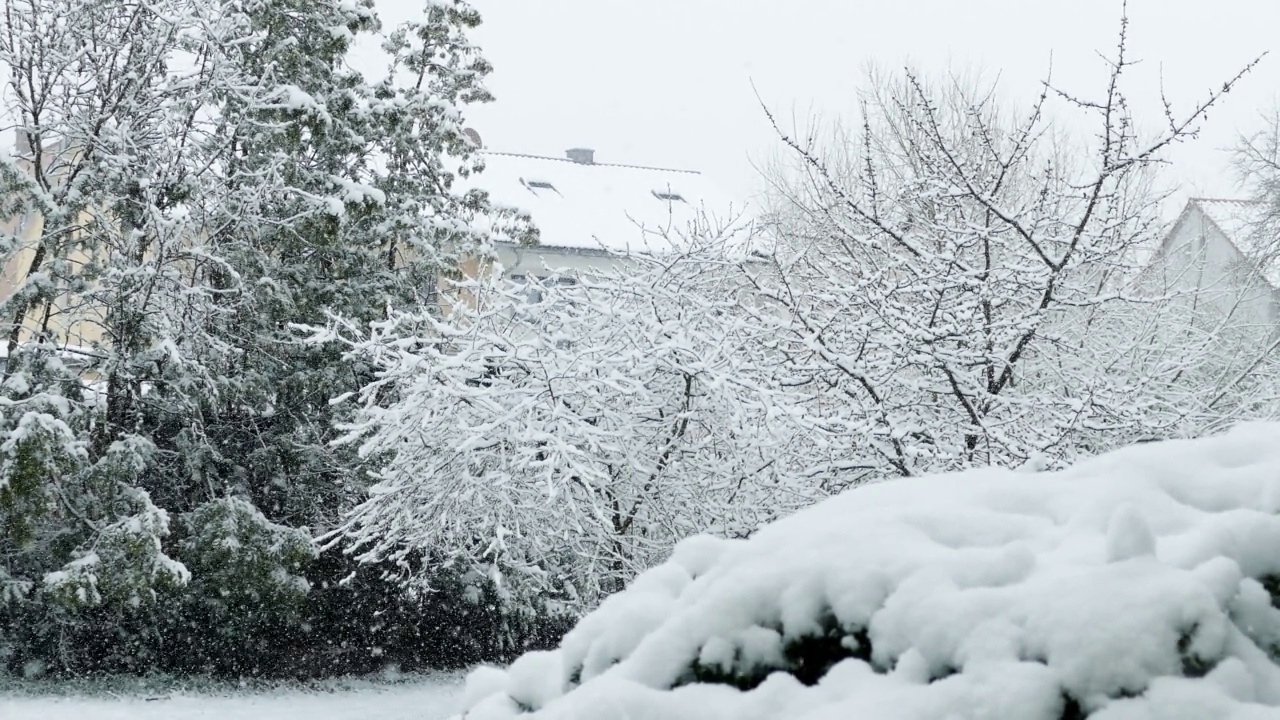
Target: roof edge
[
  {"x": 594, "y": 164},
  {"x": 1231, "y": 239},
  {"x": 1242, "y": 201}
]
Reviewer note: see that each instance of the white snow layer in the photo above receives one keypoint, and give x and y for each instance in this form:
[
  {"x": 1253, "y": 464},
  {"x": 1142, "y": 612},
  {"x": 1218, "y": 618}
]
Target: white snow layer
[
  {"x": 1130, "y": 586},
  {"x": 427, "y": 700}
]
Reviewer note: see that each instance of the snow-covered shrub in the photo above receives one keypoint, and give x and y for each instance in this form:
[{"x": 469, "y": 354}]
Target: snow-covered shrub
[
  {"x": 89, "y": 579},
  {"x": 124, "y": 565},
  {"x": 247, "y": 590},
  {"x": 1139, "y": 584},
  {"x": 244, "y": 558},
  {"x": 368, "y": 619},
  {"x": 120, "y": 559}
]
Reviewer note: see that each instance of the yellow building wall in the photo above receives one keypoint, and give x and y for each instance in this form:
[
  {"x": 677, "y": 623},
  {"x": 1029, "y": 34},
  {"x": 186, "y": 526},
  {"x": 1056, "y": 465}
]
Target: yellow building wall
[
  {"x": 73, "y": 324},
  {"x": 78, "y": 324}
]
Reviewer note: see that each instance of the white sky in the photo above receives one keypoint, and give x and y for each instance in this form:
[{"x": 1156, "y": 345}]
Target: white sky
[{"x": 668, "y": 82}]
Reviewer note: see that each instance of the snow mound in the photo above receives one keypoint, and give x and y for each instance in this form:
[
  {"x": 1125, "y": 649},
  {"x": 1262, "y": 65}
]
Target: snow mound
[{"x": 1140, "y": 584}]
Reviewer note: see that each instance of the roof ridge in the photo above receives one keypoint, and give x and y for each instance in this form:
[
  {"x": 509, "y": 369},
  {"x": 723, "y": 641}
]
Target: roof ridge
[
  {"x": 1242, "y": 201},
  {"x": 597, "y": 164}
]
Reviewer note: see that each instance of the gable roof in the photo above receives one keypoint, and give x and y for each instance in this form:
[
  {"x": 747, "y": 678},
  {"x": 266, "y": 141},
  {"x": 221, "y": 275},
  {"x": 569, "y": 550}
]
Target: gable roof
[
  {"x": 1242, "y": 224},
  {"x": 609, "y": 207}
]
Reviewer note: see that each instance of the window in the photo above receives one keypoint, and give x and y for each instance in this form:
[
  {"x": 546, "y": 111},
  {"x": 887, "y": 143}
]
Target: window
[
  {"x": 532, "y": 294},
  {"x": 533, "y": 291},
  {"x": 669, "y": 195},
  {"x": 539, "y": 187}
]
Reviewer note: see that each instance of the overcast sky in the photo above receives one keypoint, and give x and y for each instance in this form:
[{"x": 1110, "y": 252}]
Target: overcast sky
[{"x": 669, "y": 82}]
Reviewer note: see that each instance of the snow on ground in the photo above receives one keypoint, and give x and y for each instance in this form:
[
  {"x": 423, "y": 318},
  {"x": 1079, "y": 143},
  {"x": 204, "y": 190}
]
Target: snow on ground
[
  {"x": 1137, "y": 585},
  {"x": 428, "y": 699}
]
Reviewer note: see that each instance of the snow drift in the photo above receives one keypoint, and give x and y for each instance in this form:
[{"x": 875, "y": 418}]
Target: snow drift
[{"x": 1140, "y": 584}]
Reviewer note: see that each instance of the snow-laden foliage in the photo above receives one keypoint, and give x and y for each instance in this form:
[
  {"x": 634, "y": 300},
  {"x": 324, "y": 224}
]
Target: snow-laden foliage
[
  {"x": 1139, "y": 584},
  {"x": 566, "y": 432},
  {"x": 333, "y": 196},
  {"x": 124, "y": 565},
  {"x": 959, "y": 278},
  {"x": 247, "y": 590},
  {"x": 94, "y": 113},
  {"x": 242, "y": 558},
  {"x": 951, "y": 285},
  {"x": 192, "y": 177}
]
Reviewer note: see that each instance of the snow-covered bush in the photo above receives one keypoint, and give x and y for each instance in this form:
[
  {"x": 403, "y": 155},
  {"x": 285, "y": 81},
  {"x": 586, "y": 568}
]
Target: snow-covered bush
[
  {"x": 124, "y": 565},
  {"x": 89, "y": 577},
  {"x": 119, "y": 559},
  {"x": 244, "y": 558},
  {"x": 1139, "y": 584},
  {"x": 247, "y": 589}
]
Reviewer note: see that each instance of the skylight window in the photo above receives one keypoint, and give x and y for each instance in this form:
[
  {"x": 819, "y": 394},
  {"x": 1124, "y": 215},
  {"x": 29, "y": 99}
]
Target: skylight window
[
  {"x": 534, "y": 186},
  {"x": 668, "y": 195}
]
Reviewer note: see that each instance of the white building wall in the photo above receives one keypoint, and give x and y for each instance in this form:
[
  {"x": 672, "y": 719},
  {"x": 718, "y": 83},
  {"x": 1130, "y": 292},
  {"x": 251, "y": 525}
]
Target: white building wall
[
  {"x": 544, "y": 260},
  {"x": 1198, "y": 257}
]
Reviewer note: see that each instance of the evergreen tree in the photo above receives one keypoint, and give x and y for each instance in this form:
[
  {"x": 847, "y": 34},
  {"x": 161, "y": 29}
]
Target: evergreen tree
[{"x": 201, "y": 177}]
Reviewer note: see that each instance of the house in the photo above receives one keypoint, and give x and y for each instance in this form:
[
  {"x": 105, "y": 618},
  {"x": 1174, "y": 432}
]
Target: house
[
  {"x": 590, "y": 213},
  {"x": 1223, "y": 250},
  {"x": 76, "y": 328}
]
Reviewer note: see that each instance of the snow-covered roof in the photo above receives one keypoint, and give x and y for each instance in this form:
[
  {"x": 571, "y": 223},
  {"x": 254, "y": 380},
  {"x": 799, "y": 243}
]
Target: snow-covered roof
[
  {"x": 1240, "y": 222},
  {"x": 1139, "y": 584},
  {"x": 75, "y": 353},
  {"x": 601, "y": 206}
]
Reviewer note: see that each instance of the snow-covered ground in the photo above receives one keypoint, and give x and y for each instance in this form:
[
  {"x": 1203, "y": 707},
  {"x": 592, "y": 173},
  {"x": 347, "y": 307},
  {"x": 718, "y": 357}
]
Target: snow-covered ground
[{"x": 428, "y": 699}]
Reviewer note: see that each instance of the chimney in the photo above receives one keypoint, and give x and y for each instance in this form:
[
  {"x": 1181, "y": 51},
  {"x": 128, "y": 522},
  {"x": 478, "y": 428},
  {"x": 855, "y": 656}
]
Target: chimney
[{"x": 582, "y": 156}]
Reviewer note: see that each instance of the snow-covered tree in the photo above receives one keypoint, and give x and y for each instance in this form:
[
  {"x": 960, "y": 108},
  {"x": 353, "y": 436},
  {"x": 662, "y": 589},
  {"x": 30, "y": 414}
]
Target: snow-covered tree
[
  {"x": 946, "y": 265},
  {"x": 1183, "y": 360},
  {"x": 102, "y": 171},
  {"x": 1257, "y": 163},
  {"x": 336, "y": 198},
  {"x": 560, "y": 435},
  {"x": 192, "y": 178}
]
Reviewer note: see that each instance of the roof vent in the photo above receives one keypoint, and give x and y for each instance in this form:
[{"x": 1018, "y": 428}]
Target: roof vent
[{"x": 582, "y": 156}]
